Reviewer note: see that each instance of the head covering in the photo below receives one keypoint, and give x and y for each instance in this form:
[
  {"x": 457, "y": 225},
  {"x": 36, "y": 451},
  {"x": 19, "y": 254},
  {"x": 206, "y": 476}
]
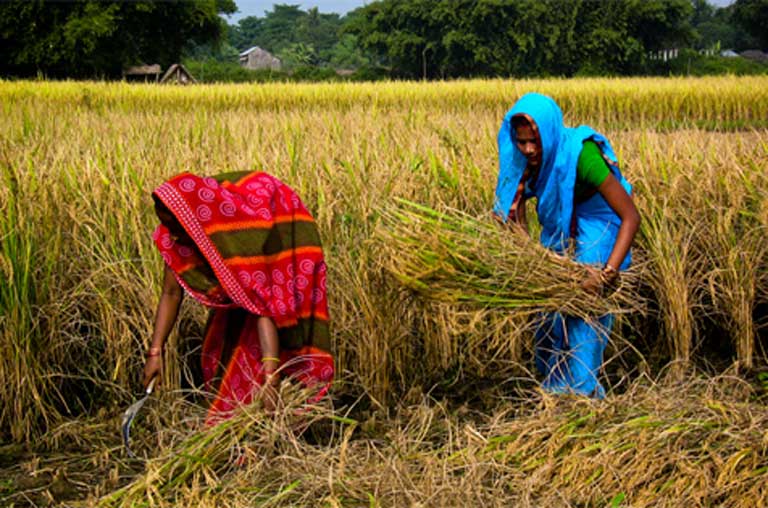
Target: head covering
[
  {"x": 253, "y": 246},
  {"x": 250, "y": 248},
  {"x": 554, "y": 185}
]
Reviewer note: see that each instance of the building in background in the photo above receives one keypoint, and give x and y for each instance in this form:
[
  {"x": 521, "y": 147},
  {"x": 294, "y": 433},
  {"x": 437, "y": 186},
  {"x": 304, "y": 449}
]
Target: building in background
[
  {"x": 143, "y": 72},
  {"x": 256, "y": 58},
  {"x": 178, "y": 74}
]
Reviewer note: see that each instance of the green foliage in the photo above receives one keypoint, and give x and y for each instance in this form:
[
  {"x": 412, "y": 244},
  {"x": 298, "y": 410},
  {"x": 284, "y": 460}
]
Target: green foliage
[
  {"x": 414, "y": 39},
  {"x": 300, "y": 38},
  {"x": 277, "y": 29},
  {"x": 346, "y": 54},
  {"x": 298, "y": 54},
  {"x": 87, "y": 38},
  {"x": 214, "y": 71},
  {"x": 763, "y": 380},
  {"x": 370, "y": 73},
  {"x": 658, "y": 24},
  {"x": 752, "y": 15},
  {"x": 320, "y": 31},
  {"x": 691, "y": 63},
  {"x": 310, "y": 73},
  {"x": 221, "y": 52},
  {"x": 713, "y": 26},
  {"x": 427, "y": 39}
]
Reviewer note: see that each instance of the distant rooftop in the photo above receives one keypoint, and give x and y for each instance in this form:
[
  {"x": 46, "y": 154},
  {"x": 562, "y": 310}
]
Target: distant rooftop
[{"x": 249, "y": 50}]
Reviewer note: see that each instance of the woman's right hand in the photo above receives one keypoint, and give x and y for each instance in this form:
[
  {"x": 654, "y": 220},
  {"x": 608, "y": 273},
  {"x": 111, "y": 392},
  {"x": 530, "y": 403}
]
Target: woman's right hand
[
  {"x": 152, "y": 368},
  {"x": 269, "y": 391}
]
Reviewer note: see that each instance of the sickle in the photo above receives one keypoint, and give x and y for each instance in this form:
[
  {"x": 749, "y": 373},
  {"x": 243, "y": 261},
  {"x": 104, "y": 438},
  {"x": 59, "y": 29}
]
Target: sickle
[{"x": 130, "y": 414}]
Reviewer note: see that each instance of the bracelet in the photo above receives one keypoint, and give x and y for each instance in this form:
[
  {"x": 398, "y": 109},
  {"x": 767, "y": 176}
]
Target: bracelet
[
  {"x": 269, "y": 359},
  {"x": 154, "y": 351}
]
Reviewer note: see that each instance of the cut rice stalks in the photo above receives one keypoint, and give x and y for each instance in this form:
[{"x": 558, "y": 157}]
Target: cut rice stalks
[{"x": 452, "y": 257}]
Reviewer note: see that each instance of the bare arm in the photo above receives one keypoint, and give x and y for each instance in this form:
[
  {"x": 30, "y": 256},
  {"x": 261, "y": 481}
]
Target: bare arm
[
  {"x": 621, "y": 203},
  {"x": 517, "y": 217},
  {"x": 270, "y": 346},
  {"x": 270, "y": 352},
  {"x": 167, "y": 312}
]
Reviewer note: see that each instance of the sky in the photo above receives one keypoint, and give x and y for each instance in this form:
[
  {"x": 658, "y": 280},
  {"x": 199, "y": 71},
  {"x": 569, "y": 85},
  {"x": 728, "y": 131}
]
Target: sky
[{"x": 258, "y": 7}]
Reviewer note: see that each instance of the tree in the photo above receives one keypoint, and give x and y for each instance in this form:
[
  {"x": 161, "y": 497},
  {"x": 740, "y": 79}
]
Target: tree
[
  {"x": 288, "y": 31},
  {"x": 319, "y": 30},
  {"x": 346, "y": 53},
  {"x": 245, "y": 33},
  {"x": 278, "y": 28},
  {"x": 703, "y": 12},
  {"x": 752, "y": 15},
  {"x": 298, "y": 54},
  {"x": 89, "y": 38},
  {"x": 448, "y": 38},
  {"x": 660, "y": 24}
]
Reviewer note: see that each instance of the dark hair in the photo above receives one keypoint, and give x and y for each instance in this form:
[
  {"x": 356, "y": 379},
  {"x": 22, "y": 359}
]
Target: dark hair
[
  {"x": 519, "y": 120},
  {"x": 159, "y": 205},
  {"x": 167, "y": 218}
]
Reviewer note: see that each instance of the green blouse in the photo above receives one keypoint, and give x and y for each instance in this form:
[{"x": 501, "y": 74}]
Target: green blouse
[{"x": 591, "y": 171}]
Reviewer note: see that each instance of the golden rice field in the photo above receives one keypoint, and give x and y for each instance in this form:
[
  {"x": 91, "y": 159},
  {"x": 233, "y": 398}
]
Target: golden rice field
[{"x": 436, "y": 402}]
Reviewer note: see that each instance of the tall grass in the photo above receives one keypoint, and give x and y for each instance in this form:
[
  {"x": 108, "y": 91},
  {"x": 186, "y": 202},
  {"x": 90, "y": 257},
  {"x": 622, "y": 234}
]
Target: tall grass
[
  {"x": 705, "y": 242},
  {"x": 28, "y": 314},
  {"x": 79, "y": 161},
  {"x": 712, "y": 102}
]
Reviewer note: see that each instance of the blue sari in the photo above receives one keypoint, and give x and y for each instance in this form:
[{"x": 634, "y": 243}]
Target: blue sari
[{"x": 569, "y": 351}]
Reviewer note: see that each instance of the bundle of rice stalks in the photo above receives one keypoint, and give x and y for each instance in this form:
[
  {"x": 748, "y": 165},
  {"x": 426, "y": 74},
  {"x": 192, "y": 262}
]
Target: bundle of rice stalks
[{"x": 454, "y": 258}]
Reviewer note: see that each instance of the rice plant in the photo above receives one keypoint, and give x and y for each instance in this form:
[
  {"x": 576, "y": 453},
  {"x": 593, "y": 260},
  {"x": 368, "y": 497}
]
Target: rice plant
[{"x": 429, "y": 298}]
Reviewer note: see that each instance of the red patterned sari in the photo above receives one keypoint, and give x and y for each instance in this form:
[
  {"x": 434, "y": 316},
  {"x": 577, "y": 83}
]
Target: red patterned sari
[{"x": 256, "y": 253}]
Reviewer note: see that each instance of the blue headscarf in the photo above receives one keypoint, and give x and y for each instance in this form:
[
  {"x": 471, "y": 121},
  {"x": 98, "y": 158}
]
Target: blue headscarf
[{"x": 554, "y": 186}]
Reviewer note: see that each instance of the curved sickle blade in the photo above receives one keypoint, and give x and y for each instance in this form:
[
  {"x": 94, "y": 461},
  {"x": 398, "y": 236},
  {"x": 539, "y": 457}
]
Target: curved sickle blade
[{"x": 130, "y": 414}]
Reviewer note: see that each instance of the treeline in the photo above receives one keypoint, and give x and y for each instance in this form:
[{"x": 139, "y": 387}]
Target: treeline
[
  {"x": 309, "y": 44},
  {"x": 98, "y": 39},
  {"x": 429, "y": 39},
  {"x": 452, "y": 38},
  {"x": 412, "y": 39},
  {"x": 300, "y": 37}
]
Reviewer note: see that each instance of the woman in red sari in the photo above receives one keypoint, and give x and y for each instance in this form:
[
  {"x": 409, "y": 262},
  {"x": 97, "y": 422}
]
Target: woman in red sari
[{"x": 244, "y": 245}]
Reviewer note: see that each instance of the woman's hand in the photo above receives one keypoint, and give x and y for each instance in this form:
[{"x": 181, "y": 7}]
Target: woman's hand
[
  {"x": 269, "y": 395},
  {"x": 152, "y": 368},
  {"x": 593, "y": 283},
  {"x": 597, "y": 281}
]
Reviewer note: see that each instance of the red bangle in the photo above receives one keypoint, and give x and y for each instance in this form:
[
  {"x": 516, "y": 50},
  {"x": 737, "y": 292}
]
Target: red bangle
[{"x": 154, "y": 351}]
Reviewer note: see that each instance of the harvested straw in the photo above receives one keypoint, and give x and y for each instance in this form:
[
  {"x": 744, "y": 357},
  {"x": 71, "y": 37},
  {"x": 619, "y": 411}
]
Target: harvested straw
[
  {"x": 652, "y": 446},
  {"x": 454, "y": 258}
]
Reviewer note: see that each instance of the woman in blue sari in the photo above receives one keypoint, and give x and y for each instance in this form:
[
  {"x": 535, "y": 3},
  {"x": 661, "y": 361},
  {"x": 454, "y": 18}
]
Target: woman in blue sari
[{"x": 583, "y": 198}]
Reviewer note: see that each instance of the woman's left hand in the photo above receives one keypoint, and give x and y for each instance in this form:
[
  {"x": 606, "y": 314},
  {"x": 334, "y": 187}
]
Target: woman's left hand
[{"x": 593, "y": 283}]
